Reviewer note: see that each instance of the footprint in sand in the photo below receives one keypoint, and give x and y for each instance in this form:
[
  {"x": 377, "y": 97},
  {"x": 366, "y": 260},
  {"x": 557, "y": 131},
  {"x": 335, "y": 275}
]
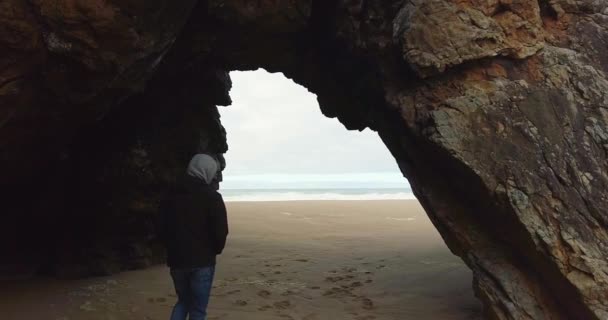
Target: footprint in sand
[
  {"x": 231, "y": 292},
  {"x": 265, "y": 307},
  {"x": 334, "y": 279},
  {"x": 287, "y": 293},
  {"x": 157, "y": 300},
  {"x": 339, "y": 278},
  {"x": 282, "y": 304},
  {"x": 338, "y": 291},
  {"x": 241, "y": 303},
  {"x": 264, "y": 293},
  {"x": 301, "y": 260}
]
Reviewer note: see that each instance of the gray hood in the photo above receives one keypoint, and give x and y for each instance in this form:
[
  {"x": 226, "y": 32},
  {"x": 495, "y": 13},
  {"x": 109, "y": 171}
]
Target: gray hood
[{"x": 204, "y": 167}]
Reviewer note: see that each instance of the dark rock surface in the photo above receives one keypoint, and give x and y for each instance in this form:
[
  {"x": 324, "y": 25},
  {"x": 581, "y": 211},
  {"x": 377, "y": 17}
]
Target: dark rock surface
[{"x": 495, "y": 110}]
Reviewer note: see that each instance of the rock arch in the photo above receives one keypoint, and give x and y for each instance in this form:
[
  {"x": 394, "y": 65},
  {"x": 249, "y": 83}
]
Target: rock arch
[{"x": 496, "y": 111}]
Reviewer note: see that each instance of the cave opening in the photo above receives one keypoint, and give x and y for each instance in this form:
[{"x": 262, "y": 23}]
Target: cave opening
[{"x": 277, "y": 135}]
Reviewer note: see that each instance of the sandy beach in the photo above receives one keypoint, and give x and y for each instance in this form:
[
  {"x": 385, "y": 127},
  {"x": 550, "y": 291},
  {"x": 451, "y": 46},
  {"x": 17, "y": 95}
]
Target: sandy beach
[{"x": 301, "y": 260}]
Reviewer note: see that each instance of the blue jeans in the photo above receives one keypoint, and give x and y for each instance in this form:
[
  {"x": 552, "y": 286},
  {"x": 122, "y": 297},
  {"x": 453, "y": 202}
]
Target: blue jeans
[{"x": 193, "y": 289}]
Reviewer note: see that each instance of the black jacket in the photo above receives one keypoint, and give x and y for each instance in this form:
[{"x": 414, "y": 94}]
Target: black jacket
[{"x": 194, "y": 225}]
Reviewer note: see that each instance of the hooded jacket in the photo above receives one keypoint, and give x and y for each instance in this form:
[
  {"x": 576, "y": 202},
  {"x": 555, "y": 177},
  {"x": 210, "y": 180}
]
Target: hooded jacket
[
  {"x": 204, "y": 167},
  {"x": 194, "y": 224}
]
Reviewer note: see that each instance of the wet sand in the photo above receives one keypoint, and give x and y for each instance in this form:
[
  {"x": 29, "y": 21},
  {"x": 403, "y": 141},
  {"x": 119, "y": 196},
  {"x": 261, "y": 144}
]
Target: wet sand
[{"x": 302, "y": 260}]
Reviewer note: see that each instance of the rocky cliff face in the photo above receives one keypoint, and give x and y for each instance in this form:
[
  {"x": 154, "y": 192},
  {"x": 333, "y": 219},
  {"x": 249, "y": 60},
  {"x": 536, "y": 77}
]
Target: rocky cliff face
[{"x": 495, "y": 110}]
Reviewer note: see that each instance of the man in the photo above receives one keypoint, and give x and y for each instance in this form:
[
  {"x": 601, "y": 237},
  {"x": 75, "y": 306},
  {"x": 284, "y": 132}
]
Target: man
[{"x": 194, "y": 227}]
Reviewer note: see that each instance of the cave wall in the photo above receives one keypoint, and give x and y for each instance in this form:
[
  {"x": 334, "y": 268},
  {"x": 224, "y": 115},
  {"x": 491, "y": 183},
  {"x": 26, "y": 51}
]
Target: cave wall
[
  {"x": 496, "y": 111},
  {"x": 119, "y": 169}
]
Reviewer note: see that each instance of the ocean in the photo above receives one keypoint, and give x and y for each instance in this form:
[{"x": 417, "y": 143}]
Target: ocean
[
  {"x": 317, "y": 194},
  {"x": 285, "y": 187}
]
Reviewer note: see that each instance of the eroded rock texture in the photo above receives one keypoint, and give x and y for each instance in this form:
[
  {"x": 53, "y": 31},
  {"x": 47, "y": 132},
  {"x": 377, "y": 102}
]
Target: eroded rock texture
[{"x": 495, "y": 110}]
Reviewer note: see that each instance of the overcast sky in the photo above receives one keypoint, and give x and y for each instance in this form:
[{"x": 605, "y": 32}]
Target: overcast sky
[{"x": 275, "y": 128}]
